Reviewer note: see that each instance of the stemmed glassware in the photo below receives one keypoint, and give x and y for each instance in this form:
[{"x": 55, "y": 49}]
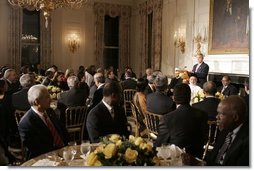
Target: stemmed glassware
[
  {"x": 85, "y": 148},
  {"x": 68, "y": 155}
]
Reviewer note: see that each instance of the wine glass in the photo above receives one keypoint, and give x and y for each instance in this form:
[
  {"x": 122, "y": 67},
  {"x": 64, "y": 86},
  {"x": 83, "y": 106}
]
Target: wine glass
[
  {"x": 73, "y": 147},
  {"x": 85, "y": 148},
  {"x": 68, "y": 156}
]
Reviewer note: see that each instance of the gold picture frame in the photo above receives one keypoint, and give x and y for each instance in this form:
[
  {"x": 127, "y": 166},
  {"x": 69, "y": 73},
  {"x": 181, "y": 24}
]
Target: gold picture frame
[{"x": 228, "y": 27}]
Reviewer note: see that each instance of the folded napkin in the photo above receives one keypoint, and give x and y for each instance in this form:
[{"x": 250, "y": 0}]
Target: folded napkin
[{"x": 46, "y": 162}]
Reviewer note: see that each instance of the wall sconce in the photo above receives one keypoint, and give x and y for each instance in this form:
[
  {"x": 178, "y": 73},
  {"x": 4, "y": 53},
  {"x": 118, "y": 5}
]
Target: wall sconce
[
  {"x": 199, "y": 39},
  {"x": 179, "y": 41},
  {"x": 73, "y": 43}
]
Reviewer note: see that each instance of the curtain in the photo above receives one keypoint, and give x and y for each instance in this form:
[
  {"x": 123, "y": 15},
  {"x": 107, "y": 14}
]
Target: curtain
[
  {"x": 113, "y": 10},
  {"x": 15, "y": 39},
  {"x": 146, "y": 8}
]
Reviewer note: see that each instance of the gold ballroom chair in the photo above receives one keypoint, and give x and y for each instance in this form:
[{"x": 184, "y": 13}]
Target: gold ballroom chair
[
  {"x": 152, "y": 123},
  {"x": 75, "y": 122},
  {"x": 128, "y": 98},
  {"x": 212, "y": 134},
  {"x": 19, "y": 152},
  {"x": 135, "y": 119}
]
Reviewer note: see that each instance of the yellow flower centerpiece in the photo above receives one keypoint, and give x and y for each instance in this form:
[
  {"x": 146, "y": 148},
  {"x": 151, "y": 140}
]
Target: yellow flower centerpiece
[
  {"x": 119, "y": 151},
  {"x": 219, "y": 96},
  {"x": 53, "y": 91},
  {"x": 200, "y": 96}
]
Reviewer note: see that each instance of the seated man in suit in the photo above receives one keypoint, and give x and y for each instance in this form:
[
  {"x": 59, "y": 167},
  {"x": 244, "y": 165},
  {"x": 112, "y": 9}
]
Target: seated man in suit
[
  {"x": 232, "y": 145},
  {"x": 174, "y": 81},
  {"x": 99, "y": 81},
  {"x": 210, "y": 103},
  {"x": 150, "y": 88},
  {"x": 11, "y": 77},
  {"x": 227, "y": 89},
  {"x": 19, "y": 99},
  {"x": 158, "y": 102},
  {"x": 107, "y": 117},
  {"x": 39, "y": 129},
  {"x": 76, "y": 96},
  {"x": 185, "y": 126},
  {"x": 129, "y": 82}
]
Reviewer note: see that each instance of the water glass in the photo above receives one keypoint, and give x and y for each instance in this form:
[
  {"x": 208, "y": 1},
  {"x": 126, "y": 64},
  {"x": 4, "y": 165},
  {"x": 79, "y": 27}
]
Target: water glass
[
  {"x": 85, "y": 148},
  {"x": 68, "y": 156}
]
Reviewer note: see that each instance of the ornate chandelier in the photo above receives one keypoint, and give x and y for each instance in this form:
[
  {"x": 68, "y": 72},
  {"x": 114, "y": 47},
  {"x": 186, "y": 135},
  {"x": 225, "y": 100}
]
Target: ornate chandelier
[{"x": 47, "y": 6}]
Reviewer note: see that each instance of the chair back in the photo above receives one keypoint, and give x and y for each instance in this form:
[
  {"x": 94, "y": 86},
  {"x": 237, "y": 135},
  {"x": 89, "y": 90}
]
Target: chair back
[
  {"x": 128, "y": 98},
  {"x": 152, "y": 123},
  {"x": 134, "y": 113},
  {"x": 212, "y": 134},
  {"x": 75, "y": 122},
  {"x": 18, "y": 115}
]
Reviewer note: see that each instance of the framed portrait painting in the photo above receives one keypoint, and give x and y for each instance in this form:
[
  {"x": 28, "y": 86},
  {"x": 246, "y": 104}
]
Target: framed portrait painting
[{"x": 228, "y": 27}]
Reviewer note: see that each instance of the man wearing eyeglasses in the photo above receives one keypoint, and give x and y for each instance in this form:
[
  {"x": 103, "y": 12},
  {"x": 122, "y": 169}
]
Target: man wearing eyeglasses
[{"x": 227, "y": 89}]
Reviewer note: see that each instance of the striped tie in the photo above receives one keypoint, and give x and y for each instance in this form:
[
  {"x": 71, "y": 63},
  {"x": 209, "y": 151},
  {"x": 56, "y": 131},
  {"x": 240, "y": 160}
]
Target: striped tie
[
  {"x": 57, "y": 139},
  {"x": 224, "y": 148}
]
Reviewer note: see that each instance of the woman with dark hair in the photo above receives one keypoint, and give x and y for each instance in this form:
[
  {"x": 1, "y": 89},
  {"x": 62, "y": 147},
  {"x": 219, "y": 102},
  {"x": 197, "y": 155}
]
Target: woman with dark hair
[
  {"x": 111, "y": 76},
  {"x": 139, "y": 100}
]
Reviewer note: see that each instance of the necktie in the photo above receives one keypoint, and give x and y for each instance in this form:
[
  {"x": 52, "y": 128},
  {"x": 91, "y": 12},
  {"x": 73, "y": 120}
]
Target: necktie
[
  {"x": 224, "y": 148},
  {"x": 197, "y": 68},
  {"x": 57, "y": 139},
  {"x": 223, "y": 89},
  {"x": 112, "y": 113}
]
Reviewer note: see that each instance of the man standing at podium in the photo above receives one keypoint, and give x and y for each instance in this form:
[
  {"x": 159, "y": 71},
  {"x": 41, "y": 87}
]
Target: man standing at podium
[{"x": 201, "y": 70}]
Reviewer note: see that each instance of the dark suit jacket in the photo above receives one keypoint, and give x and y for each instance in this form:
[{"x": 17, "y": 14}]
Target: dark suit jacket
[
  {"x": 184, "y": 127},
  {"x": 238, "y": 152},
  {"x": 46, "y": 81},
  {"x": 8, "y": 126},
  {"x": 12, "y": 87},
  {"x": 100, "y": 123},
  {"x": 129, "y": 84},
  {"x": 230, "y": 90},
  {"x": 159, "y": 103},
  {"x": 97, "y": 97},
  {"x": 36, "y": 136},
  {"x": 73, "y": 97},
  {"x": 148, "y": 90},
  {"x": 201, "y": 73},
  {"x": 20, "y": 100},
  {"x": 209, "y": 106},
  {"x": 175, "y": 81}
]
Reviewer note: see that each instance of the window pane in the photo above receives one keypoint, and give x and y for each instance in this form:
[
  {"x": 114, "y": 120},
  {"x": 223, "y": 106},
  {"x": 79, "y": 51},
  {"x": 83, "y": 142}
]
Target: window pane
[
  {"x": 110, "y": 57},
  {"x": 111, "y": 31},
  {"x": 31, "y": 26},
  {"x": 30, "y": 54}
]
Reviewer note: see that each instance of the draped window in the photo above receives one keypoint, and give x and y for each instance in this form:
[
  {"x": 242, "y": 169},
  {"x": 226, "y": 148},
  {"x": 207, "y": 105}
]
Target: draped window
[
  {"x": 112, "y": 10},
  {"x": 151, "y": 29},
  {"x": 15, "y": 43}
]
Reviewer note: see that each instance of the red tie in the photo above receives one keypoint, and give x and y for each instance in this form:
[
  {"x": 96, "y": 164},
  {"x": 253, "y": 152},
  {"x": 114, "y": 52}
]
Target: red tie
[{"x": 57, "y": 139}]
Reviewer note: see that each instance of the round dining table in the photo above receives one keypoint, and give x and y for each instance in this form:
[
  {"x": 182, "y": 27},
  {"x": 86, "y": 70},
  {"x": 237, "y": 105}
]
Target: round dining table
[{"x": 55, "y": 158}]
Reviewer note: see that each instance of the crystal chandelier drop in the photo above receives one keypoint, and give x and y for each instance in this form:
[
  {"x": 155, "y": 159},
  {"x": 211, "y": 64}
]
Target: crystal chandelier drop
[{"x": 47, "y": 6}]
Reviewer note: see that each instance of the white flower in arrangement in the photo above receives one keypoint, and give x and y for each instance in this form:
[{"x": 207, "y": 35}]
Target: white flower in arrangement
[
  {"x": 200, "y": 96},
  {"x": 53, "y": 91}
]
